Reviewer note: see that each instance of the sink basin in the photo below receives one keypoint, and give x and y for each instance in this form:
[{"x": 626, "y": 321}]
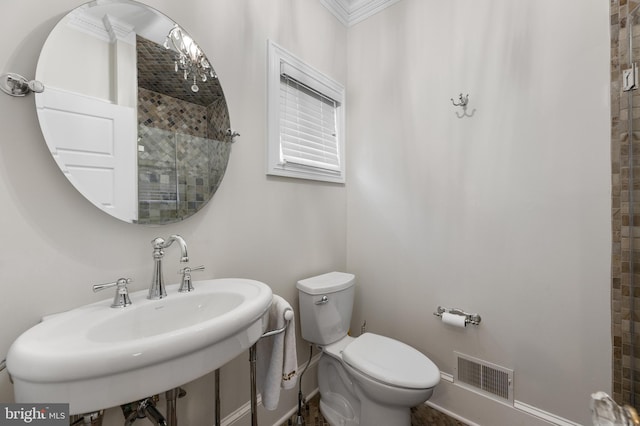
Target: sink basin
[{"x": 95, "y": 356}]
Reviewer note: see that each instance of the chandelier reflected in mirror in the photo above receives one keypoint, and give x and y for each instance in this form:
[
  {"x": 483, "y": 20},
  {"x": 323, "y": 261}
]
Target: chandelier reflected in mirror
[{"x": 189, "y": 59}]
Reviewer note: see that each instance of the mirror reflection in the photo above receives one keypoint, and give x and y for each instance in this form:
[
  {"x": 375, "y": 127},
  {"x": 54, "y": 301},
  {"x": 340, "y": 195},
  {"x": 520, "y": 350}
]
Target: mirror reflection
[{"x": 133, "y": 112}]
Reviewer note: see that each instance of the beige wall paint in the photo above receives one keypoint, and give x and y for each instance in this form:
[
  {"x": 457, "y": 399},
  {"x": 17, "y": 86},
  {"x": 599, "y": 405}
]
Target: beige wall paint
[
  {"x": 506, "y": 213},
  {"x": 56, "y": 244}
]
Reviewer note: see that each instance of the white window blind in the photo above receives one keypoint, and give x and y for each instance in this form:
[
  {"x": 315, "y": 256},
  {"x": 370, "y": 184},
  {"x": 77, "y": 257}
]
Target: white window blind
[
  {"x": 308, "y": 126},
  {"x": 306, "y": 120}
]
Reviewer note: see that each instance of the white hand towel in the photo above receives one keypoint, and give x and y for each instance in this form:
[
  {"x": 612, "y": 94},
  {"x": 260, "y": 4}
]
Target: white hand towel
[{"x": 276, "y": 356}]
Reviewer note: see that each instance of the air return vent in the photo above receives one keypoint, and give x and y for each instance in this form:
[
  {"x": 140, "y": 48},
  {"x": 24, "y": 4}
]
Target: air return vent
[{"x": 483, "y": 377}]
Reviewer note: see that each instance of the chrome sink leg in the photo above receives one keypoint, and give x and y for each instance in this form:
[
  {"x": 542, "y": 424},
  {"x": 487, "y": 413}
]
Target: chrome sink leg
[
  {"x": 217, "y": 390},
  {"x": 172, "y": 396},
  {"x": 252, "y": 373}
]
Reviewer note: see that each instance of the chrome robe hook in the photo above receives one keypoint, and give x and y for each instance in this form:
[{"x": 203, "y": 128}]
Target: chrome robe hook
[{"x": 463, "y": 101}]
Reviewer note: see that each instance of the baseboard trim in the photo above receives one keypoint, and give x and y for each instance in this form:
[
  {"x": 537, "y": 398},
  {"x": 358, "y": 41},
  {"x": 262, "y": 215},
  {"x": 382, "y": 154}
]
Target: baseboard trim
[
  {"x": 544, "y": 415},
  {"x": 237, "y": 415},
  {"x": 446, "y": 377},
  {"x": 451, "y": 414},
  {"x": 291, "y": 412},
  {"x": 517, "y": 406},
  {"x": 520, "y": 406}
]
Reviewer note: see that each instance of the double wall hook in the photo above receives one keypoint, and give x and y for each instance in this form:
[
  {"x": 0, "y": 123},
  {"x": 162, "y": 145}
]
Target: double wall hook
[{"x": 463, "y": 101}]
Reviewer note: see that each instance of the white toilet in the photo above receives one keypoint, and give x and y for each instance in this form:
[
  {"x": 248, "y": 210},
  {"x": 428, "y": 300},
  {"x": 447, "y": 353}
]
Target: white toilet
[{"x": 370, "y": 380}]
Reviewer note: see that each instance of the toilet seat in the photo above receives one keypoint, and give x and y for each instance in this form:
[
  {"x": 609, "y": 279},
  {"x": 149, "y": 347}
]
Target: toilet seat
[{"x": 390, "y": 361}]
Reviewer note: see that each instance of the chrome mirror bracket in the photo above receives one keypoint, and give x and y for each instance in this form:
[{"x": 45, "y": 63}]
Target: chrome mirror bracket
[{"x": 16, "y": 85}]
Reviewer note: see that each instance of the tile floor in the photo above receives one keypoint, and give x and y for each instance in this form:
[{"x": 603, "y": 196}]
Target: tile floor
[{"x": 420, "y": 416}]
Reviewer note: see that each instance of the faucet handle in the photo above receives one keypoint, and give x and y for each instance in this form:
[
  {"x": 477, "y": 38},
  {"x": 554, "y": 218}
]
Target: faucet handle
[
  {"x": 185, "y": 284},
  {"x": 121, "y": 299}
]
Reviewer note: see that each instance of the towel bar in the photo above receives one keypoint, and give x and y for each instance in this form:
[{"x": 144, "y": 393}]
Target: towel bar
[{"x": 288, "y": 316}]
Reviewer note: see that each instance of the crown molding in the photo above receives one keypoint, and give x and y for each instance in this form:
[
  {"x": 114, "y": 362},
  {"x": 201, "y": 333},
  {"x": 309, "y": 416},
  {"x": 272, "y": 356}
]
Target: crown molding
[
  {"x": 108, "y": 29},
  {"x": 350, "y": 12}
]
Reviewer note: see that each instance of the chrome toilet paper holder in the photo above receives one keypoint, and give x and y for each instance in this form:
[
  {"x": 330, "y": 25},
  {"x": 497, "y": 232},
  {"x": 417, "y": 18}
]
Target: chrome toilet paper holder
[{"x": 469, "y": 318}]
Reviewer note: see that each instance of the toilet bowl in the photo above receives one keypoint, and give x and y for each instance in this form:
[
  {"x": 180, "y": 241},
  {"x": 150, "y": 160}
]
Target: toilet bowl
[{"x": 368, "y": 380}]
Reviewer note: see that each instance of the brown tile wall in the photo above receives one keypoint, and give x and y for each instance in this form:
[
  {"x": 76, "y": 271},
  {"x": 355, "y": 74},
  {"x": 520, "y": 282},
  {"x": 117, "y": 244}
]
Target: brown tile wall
[{"x": 623, "y": 230}]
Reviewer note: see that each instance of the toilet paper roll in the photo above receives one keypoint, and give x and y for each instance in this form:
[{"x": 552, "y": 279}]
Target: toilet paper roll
[{"x": 453, "y": 319}]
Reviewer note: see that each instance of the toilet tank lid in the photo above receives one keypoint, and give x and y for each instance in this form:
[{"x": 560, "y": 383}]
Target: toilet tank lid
[{"x": 326, "y": 283}]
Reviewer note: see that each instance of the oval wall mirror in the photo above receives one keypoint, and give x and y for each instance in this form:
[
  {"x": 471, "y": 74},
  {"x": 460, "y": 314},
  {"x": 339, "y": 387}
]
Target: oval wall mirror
[{"x": 133, "y": 112}]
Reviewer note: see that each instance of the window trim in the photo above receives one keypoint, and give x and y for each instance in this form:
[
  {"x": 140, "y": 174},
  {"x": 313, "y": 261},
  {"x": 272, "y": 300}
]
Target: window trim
[{"x": 281, "y": 61}]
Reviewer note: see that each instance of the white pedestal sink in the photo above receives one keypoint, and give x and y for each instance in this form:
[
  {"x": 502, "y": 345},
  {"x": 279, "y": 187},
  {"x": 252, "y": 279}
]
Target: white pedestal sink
[{"x": 95, "y": 356}]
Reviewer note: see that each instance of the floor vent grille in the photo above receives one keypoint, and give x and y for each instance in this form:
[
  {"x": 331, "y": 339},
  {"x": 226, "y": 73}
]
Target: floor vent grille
[{"x": 481, "y": 376}]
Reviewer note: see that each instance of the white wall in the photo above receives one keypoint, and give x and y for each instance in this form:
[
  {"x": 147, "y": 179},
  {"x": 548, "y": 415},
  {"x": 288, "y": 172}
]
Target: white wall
[
  {"x": 70, "y": 70},
  {"x": 56, "y": 244},
  {"x": 506, "y": 213}
]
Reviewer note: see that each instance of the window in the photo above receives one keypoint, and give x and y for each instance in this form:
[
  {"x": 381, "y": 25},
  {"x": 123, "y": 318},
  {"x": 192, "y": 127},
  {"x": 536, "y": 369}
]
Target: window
[{"x": 306, "y": 120}]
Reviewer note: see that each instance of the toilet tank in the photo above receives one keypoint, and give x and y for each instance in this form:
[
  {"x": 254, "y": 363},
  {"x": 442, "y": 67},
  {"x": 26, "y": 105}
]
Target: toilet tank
[{"x": 326, "y": 304}]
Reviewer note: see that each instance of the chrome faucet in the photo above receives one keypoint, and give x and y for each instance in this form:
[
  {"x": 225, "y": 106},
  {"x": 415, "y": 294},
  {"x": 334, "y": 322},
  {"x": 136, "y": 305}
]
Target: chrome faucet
[{"x": 157, "y": 290}]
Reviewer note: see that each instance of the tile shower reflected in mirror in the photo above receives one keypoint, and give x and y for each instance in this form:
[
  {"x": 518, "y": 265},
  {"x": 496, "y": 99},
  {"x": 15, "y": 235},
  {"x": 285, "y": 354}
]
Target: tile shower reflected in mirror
[
  {"x": 173, "y": 181},
  {"x": 180, "y": 162}
]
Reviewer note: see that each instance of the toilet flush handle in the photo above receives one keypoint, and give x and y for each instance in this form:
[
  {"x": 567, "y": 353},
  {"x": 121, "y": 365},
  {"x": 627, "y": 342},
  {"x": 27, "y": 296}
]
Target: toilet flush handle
[{"x": 322, "y": 301}]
